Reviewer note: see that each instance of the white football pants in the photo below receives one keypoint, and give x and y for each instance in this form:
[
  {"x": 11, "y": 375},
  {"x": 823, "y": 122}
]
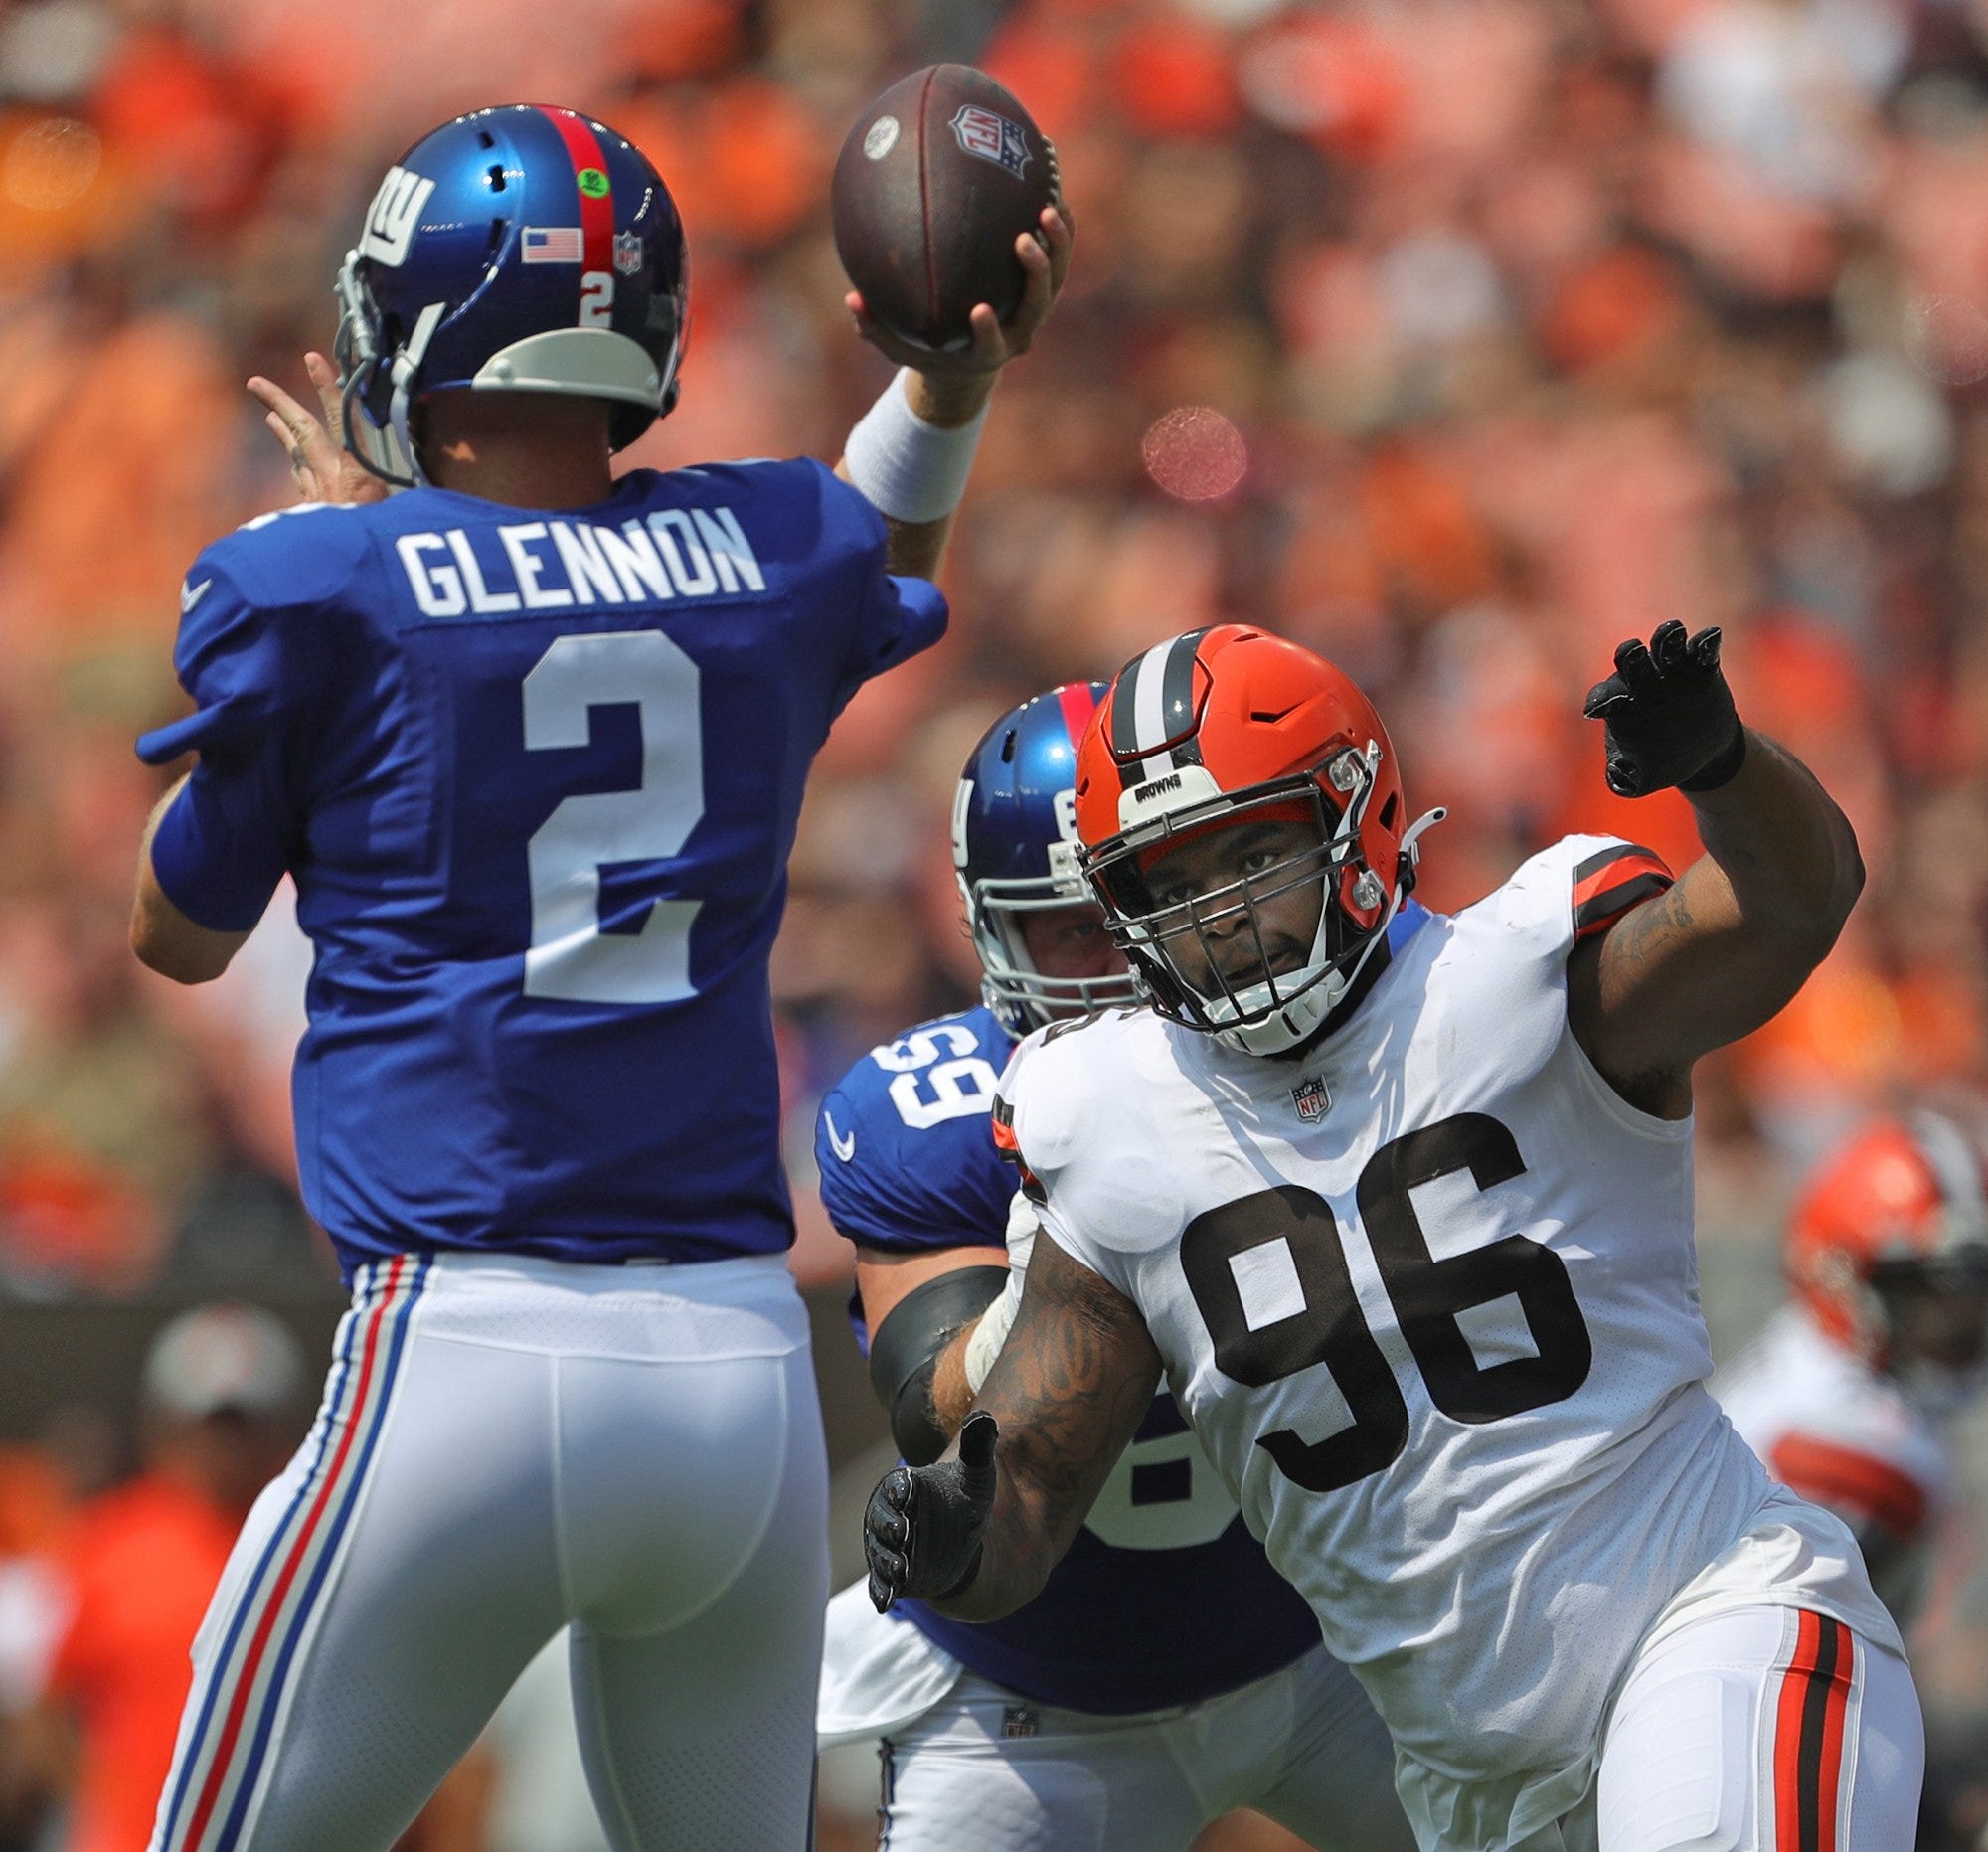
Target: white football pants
[
  {"x": 507, "y": 1446},
  {"x": 1762, "y": 1729},
  {"x": 987, "y": 1771}
]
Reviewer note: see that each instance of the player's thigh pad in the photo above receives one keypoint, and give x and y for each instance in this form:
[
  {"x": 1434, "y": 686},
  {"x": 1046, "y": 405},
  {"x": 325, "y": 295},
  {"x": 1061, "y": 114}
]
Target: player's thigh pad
[
  {"x": 985, "y": 1771},
  {"x": 1767, "y": 1729}
]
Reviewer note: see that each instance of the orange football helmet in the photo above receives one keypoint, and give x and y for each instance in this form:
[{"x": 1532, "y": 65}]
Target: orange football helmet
[
  {"x": 1218, "y": 728},
  {"x": 1905, "y": 1201}
]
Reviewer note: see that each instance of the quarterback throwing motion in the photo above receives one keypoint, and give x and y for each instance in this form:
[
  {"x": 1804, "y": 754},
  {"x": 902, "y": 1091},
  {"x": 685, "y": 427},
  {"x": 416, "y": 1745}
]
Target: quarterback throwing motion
[
  {"x": 530, "y": 741},
  {"x": 1406, "y": 1221}
]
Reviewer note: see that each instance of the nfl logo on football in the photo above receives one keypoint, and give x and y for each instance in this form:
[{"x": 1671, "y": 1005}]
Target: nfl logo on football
[
  {"x": 992, "y": 137},
  {"x": 1311, "y": 1099}
]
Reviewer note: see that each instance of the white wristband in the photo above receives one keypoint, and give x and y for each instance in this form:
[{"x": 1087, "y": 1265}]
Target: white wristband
[
  {"x": 989, "y": 1333},
  {"x": 907, "y": 469}
]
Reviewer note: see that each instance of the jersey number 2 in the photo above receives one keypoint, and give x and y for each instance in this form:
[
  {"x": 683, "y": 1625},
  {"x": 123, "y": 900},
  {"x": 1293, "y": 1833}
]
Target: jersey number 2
[
  {"x": 570, "y": 958},
  {"x": 1431, "y": 1298}
]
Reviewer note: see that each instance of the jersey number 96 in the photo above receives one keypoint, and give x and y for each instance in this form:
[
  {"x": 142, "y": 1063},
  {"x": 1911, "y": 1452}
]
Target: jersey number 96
[{"x": 1291, "y": 1232}]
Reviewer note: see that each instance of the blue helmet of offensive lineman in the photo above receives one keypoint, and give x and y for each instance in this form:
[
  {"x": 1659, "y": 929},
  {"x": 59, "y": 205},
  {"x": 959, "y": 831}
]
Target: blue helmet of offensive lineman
[
  {"x": 1014, "y": 850},
  {"x": 517, "y": 250}
]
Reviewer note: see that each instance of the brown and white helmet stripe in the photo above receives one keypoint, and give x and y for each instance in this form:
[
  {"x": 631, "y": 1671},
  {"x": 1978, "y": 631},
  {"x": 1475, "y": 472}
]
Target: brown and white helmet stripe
[{"x": 1152, "y": 712}]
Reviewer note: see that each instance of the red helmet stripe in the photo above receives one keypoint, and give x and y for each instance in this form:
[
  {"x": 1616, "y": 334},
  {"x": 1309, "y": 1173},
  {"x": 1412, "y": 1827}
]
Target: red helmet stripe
[
  {"x": 597, "y": 210},
  {"x": 1079, "y": 704}
]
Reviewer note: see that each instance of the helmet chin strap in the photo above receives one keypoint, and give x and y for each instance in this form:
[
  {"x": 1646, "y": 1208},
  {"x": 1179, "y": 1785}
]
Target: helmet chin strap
[
  {"x": 407, "y": 371},
  {"x": 1289, "y": 1026},
  {"x": 1412, "y": 840}
]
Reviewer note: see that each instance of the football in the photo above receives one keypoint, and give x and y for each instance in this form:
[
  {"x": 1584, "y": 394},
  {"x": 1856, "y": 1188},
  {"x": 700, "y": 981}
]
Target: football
[{"x": 935, "y": 181}]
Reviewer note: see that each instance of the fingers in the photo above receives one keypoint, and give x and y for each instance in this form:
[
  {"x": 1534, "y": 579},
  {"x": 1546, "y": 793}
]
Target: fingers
[
  {"x": 1632, "y": 663},
  {"x": 887, "y": 1577},
  {"x": 901, "y": 349},
  {"x": 1059, "y": 228},
  {"x": 300, "y": 465},
  {"x": 1044, "y": 256},
  {"x": 330, "y": 395},
  {"x": 1603, "y": 696},
  {"x": 1624, "y": 780},
  {"x": 302, "y": 471},
  {"x": 883, "y": 339},
  {"x": 886, "y": 1535},
  {"x": 859, "y": 313},
  {"x": 1643, "y": 672},
  {"x": 283, "y": 410},
  {"x": 1038, "y": 293},
  {"x": 988, "y": 344},
  {"x": 976, "y": 1441},
  {"x": 312, "y": 452}
]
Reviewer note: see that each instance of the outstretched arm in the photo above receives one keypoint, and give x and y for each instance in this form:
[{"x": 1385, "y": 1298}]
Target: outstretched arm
[
  {"x": 1716, "y": 955},
  {"x": 1067, "y": 1391}
]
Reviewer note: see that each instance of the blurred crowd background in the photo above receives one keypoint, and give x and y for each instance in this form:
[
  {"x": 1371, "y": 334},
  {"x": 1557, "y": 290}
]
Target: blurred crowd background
[{"x": 1459, "y": 339}]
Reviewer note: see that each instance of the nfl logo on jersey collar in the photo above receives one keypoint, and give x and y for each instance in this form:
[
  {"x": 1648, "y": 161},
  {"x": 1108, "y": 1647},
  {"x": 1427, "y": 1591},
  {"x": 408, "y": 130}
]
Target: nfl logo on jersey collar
[{"x": 1311, "y": 1097}]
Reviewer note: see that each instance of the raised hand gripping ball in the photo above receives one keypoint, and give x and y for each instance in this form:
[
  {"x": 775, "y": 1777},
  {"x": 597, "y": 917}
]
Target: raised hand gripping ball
[{"x": 934, "y": 183}]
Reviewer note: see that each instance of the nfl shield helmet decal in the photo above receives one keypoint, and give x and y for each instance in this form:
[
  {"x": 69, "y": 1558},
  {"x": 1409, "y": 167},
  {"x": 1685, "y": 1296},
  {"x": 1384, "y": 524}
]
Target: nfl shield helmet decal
[
  {"x": 627, "y": 252},
  {"x": 1311, "y": 1099},
  {"x": 992, "y": 137}
]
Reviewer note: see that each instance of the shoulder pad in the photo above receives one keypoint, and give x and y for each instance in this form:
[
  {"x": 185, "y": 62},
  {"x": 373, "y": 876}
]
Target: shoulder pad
[
  {"x": 1579, "y": 885},
  {"x": 1049, "y": 1092},
  {"x": 291, "y": 556}
]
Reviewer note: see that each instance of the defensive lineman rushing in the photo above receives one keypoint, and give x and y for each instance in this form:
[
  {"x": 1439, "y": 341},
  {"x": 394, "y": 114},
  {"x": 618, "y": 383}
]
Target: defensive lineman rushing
[
  {"x": 1847, "y": 1394},
  {"x": 1407, "y": 1226},
  {"x": 1123, "y": 1707},
  {"x": 530, "y": 742}
]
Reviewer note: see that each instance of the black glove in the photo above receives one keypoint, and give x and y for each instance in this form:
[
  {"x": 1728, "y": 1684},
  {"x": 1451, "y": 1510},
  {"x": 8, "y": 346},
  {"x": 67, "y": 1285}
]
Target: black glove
[
  {"x": 921, "y": 1527},
  {"x": 1669, "y": 715}
]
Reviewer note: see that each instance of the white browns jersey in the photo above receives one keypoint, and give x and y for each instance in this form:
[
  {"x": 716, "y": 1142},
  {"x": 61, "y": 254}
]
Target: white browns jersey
[
  {"x": 1429, "y": 1298},
  {"x": 1846, "y": 1437}
]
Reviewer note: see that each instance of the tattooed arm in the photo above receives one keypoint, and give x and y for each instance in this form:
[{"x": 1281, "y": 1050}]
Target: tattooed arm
[
  {"x": 1713, "y": 957},
  {"x": 1072, "y": 1380}
]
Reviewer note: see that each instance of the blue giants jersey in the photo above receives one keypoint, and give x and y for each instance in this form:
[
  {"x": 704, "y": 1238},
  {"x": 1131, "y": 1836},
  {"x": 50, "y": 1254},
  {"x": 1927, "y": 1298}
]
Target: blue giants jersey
[
  {"x": 1165, "y": 1597},
  {"x": 536, "y": 775}
]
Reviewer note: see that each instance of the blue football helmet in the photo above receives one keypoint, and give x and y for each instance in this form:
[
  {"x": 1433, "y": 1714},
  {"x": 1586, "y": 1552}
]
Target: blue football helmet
[
  {"x": 1014, "y": 849},
  {"x": 518, "y": 249}
]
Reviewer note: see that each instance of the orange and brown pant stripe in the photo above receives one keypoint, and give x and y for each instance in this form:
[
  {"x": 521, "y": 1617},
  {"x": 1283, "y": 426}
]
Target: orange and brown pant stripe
[{"x": 1808, "y": 1734}]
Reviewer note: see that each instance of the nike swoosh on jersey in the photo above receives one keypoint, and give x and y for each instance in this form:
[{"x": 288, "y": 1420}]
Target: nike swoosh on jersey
[
  {"x": 190, "y": 595},
  {"x": 844, "y": 1148}
]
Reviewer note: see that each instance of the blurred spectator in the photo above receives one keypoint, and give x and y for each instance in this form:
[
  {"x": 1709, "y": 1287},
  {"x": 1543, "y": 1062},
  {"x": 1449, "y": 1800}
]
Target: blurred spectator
[
  {"x": 222, "y": 1400},
  {"x": 35, "y": 1509}
]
